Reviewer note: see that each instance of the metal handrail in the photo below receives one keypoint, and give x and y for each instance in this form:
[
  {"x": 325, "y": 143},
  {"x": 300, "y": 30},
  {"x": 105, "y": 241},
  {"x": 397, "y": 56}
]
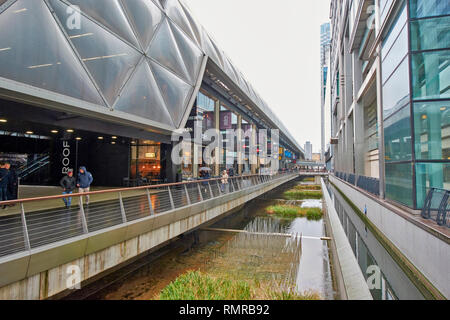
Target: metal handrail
[
  {"x": 155, "y": 186},
  {"x": 35, "y": 227}
]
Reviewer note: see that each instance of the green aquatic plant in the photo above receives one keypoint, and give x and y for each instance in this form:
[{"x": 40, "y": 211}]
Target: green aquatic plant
[
  {"x": 307, "y": 187},
  {"x": 291, "y": 212},
  {"x": 196, "y": 285},
  {"x": 294, "y": 194}
]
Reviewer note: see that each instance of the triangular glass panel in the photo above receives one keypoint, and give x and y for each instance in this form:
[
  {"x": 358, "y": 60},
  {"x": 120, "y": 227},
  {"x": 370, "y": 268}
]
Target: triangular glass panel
[
  {"x": 109, "y": 13},
  {"x": 174, "y": 91},
  {"x": 229, "y": 70},
  {"x": 145, "y": 17},
  {"x": 192, "y": 56},
  {"x": 210, "y": 49},
  {"x": 110, "y": 60},
  {"x": 39, "y": 54},
  {"x": 176, "y": 13},
  {"x": 164, "y": 49},
  {"x": 141, "y": 97},
  {"x": 195, "y": 26},
  {"x": 158, "y": 3}
]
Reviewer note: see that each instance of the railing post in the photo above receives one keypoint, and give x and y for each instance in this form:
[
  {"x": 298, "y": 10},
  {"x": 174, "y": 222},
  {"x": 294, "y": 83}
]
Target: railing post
[
  {"x": 441, "y": 217},
  {"x": 210, "y": 189},
  {"x": 218, "y": 186},
  {"x": 122, "y": 208},
  {"x": 83, "y": 216},
  {"x": 152, "y": 212},
  {"x": 187, "y": 195},
  {"x": 26, "y": 237},
  {"x": 200, "y": 192},
  {"x": 171, "y": 199}
]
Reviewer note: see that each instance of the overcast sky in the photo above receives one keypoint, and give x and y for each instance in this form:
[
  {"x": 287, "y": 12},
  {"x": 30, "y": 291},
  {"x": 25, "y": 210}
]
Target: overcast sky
[{"x": 276, "y": 45}]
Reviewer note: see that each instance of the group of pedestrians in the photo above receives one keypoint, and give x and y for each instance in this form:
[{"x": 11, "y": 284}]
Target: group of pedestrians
[
  {"x": 82, "y": 182},
  {"x": 9, "y": 183},
  {"x": 226, "y": 174}
]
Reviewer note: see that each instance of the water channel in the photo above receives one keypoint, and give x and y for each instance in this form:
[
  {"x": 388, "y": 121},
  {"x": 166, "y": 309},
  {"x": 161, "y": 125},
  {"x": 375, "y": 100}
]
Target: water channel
[
  {"x": 302, "y": 265},
  {"x": 384, "y": 276}
]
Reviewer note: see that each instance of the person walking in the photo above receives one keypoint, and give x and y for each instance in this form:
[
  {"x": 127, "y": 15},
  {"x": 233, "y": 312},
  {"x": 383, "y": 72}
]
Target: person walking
[
  {"x": 84, "y": 181},
  {"x": 13, "y": 183},
  {"x": 224, "y": 181},
  {"x": 4, "y": 181},
  {"x": 68, "y": 184}
]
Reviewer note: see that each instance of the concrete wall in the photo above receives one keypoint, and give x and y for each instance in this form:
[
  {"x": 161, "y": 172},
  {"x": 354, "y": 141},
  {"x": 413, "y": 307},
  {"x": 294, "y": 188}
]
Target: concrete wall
[
  {"x": 44, "y": 272},
  {"x": 427, "y": 252},
  {"x": 349, "y": 277}
]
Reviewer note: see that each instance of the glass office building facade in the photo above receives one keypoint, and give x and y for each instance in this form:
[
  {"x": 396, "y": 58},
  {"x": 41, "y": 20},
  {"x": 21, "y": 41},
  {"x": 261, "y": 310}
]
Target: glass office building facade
[
  {"x": 410, "y": 89},
  {"x": 416, "y": 92}
]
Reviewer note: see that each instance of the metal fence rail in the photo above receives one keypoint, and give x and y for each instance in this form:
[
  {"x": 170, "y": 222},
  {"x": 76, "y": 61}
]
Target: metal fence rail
[
  {"x": 31, "y": 229},
  {"x": 437, "y": 206},
  {"x": 369, "y": 184},
  {"x": 437, "y": 201}
]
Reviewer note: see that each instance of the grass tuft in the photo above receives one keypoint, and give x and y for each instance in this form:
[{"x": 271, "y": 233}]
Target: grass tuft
[
  {"x": 307, "y": 187},
  {"x": 294, "y": 194},
  {"x": 196, "y": 285},
  {"x": 290, "y": 211}
]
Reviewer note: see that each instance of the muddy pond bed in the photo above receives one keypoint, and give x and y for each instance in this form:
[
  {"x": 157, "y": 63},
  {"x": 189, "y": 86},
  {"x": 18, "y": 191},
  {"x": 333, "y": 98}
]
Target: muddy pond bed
[{"x": 258, "y": 264}]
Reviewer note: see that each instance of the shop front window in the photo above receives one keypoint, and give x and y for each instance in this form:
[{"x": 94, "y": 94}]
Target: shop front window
[
  {"x": 228, "y": 153},
  {"x": 146, "y": 161}
]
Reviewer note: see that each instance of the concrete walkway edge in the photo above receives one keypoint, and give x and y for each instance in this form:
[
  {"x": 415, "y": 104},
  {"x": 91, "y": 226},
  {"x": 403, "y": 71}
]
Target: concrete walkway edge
[{"x": 354, "y": 283}]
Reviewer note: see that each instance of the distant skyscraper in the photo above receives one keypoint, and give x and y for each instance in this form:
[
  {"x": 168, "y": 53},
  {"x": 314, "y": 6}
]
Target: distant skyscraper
[
  {"x": 308, "y": 150},
  {"x": 325, "y": 41}
]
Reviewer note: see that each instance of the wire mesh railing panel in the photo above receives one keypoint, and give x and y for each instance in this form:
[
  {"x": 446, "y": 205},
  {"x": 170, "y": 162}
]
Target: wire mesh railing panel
[
  {"x": 235, "y": 184},
  {"x": 54, "y": 225},
  {"x": 106, "y": 209},
  {"x": 179, "y": 196},
  {"x": 215, "y": 188},
  {"x": 103, "y": 214},
  {"x": 136, "y": 207},
  {"x": 204, "y": 188},
  {"x": 193, "y": 191},
  {"x": 160, "y": 199},
  {"x": 11, "y": 235}
]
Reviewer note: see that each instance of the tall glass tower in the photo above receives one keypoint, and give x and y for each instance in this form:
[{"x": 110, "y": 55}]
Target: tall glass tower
[{"x": 325, "y": 41}]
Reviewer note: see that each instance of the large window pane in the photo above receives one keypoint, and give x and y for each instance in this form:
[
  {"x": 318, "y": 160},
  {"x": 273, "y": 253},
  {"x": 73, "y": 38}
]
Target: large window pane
[
  {"x": 399, "y": 183},
  {"x": 205, "y": 111},
  {"x": 384, "y": 7},
  {"x": 394, "y": 32},
  {"x": 431, "y": 175},
  {"x": 397, "y": 136},
  {"x": 429, "y": 8},
  {"x": 432, "y": 130},
  {"x": 396, "y": 54},
  {"x": 110, "y": 60},
  {"x": 33, "y": 50},
  {"x": 430, "y": 34},
  {"x": 142, "y": 97},
  {"x": 396, "y": 90},
  {"x": 431, "y": 75}
]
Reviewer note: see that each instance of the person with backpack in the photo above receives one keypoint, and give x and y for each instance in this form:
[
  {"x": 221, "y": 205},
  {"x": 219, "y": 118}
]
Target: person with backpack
[
  {"x": 68, "y": 184},
  {"x": 84, "y": 181}
]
